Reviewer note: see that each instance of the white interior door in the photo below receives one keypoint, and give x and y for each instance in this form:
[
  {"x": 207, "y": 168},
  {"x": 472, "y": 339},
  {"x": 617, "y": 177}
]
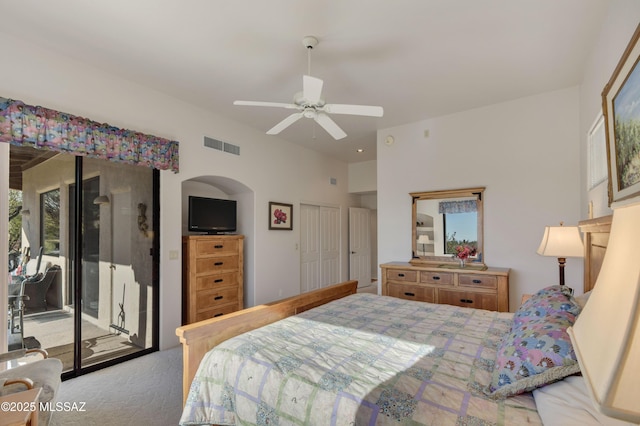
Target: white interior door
[
  {"x": 319, "y": 246},
  {"x": 330, "y": 245},
  {"x": 359, "y": 246},
  {"x": 309, "y": 248}
]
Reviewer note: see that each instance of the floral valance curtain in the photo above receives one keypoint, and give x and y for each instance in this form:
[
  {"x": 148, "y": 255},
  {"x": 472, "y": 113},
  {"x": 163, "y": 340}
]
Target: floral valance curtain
[
  {"x": 462, "y": 206},
  {"x": 42, "y": 128}
]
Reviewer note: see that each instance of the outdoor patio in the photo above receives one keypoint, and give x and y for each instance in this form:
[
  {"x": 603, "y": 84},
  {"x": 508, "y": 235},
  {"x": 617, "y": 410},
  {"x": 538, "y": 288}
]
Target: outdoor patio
[{"x": 54, "y": 331}]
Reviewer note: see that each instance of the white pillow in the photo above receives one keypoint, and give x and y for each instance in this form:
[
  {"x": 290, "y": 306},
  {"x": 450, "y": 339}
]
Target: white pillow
[
  {"x": 567, "y": 403},
  {"x": 582, "y": 299}
]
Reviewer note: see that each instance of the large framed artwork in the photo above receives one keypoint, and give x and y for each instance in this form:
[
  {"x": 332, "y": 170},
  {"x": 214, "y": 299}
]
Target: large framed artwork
[
  {"x": 280, "y": 216},
  {"x": 621, "y": 108}
]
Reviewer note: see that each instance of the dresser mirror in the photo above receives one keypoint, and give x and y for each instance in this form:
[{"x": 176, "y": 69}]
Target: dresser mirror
[{"x": 445, "y": 220}]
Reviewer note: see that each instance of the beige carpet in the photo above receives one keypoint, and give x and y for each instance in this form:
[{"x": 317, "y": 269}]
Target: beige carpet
[
  {"x": 371, "y": 288},
  {"x": 143, "y": 391}
]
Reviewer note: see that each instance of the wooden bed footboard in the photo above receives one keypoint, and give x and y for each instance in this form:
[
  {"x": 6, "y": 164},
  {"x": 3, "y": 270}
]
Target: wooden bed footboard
[{"x": 198, "y": 338}]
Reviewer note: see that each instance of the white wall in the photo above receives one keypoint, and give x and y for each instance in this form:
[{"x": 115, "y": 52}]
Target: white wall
[
  {"x": 362, "y": 177},
  {"x": 275, "y": 170},
  {"x": 527, "y": 155},
  {"x": 621, "y": 22},
  {"x": 531, "y": 154}
]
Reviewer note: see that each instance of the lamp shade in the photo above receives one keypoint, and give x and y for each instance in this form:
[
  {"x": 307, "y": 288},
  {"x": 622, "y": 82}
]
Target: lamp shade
[
  {"x": 424, "y": 239},
  {"x": 561, "y": 241},
  {"x": 102, "y": 199},
  {"x": 606, "y": 335}
]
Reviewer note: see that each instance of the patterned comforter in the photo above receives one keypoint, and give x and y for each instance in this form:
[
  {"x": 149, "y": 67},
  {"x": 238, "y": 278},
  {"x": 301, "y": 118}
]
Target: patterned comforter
[{"x": 360, "y": 360}]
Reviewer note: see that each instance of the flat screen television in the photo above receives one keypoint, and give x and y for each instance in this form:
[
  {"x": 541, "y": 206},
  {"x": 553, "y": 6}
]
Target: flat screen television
[{"x": 212, "y": 215}]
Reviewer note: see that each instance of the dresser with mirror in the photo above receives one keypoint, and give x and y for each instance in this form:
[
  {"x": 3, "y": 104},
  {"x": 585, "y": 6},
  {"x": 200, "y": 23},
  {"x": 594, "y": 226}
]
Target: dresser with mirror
[{"x": 443, "y": 224}]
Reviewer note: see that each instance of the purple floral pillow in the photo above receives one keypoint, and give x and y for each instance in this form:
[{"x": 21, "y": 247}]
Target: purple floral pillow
[
  {"x": 537, "y": 351},
  {"x": 553, "y": 301}
]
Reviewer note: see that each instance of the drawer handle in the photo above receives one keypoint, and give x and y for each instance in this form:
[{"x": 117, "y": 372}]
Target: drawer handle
[
  {"x": 401, "y": 275},
  {"x": 466, "y": 300},
  {"x": 435, "y": 277},
  {"x": 219, "y": 280},
  {"x": 219, "y": 246},
  {"x": 410, "y": 294},
  {"x": 219, "y": 263},
  {"x": 217, "y": 315},
  {"x": 218, "y": 298},
  {"x": 477, "y": 281}
]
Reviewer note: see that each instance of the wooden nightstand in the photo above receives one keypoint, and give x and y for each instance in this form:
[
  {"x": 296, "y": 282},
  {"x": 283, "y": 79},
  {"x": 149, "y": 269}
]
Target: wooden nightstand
[{"x": 20, "y": 408}]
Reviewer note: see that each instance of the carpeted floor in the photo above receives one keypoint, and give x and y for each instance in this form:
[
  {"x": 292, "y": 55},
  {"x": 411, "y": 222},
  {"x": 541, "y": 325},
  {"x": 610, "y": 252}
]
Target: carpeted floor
[
  {"x": 143, "y": 391},
  {"x": 371, "y": 288}
]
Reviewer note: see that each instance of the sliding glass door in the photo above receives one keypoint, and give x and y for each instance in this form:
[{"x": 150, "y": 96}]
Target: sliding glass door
[{"x": 87, "y": 246}]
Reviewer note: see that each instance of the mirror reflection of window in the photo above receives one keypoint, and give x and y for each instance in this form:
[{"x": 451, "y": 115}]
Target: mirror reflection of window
[
  {"x": 50, "y": 222},
  {"x": 460, "y": 223},
  {"x": 460, "y": 229}
]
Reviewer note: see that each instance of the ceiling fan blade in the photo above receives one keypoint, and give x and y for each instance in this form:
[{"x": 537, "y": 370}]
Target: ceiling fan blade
[
  {"x": 371, "y": 111},
  {"x": 266, "y": 104},
  {"x": 311, "y": 89},
  {"x": 285, "y": 123},
  {"x": 329, "y": 125}
]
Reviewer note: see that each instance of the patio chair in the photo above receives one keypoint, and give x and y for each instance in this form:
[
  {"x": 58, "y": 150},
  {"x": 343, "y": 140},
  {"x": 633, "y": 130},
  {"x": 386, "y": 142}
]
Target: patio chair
[
  {"x": 31, "y": 369},
  {"x": 36, "y": 288}
]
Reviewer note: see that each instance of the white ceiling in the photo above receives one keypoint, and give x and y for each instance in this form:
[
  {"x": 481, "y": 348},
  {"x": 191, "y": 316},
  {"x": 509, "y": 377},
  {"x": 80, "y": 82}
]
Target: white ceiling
[{"x": 416, "y": 58}]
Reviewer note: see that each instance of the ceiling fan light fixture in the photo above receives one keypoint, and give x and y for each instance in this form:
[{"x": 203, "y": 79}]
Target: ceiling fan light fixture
[{"x": 310, "y": 103}]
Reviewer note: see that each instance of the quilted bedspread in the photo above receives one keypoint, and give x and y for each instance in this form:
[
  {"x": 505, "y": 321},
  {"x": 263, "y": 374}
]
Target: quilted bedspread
[{"x": 361, "y": 360}]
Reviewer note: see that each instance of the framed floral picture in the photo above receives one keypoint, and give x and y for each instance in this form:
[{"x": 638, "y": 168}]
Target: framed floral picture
[
  {"x": 621, "y": 108},
  {"x": 280, "y": 216}
]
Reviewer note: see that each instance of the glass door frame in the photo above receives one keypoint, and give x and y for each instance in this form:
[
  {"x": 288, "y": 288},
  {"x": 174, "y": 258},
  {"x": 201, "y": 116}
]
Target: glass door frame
[{"x": 77, "y": 275}]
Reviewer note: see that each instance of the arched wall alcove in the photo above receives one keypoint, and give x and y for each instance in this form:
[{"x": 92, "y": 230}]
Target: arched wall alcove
[{"x": 231, "y": 189}]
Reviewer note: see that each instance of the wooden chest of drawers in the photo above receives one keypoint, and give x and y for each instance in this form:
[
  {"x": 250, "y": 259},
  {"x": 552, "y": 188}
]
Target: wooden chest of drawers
[
  {"x": 482, "y": 289},
  {"x": 212, "y": 276}
]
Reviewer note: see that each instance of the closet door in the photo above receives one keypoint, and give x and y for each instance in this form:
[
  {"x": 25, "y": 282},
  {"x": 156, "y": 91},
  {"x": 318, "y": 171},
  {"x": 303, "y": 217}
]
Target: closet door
[
  {"x": 319, "y": 246},
  {"x": 329, "y": 246},
  {"x": 309, "y": 248}
]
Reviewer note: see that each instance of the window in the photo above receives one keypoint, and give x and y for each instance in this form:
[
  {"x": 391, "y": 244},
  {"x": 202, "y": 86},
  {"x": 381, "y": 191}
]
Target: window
[
  {"x": 597, "y": 157},
  {"x": 50, "y": 222}
]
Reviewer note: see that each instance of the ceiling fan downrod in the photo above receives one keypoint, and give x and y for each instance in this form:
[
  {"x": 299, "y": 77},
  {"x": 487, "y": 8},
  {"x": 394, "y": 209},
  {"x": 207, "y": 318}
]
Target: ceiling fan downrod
[{"x": 309, "y": 42}]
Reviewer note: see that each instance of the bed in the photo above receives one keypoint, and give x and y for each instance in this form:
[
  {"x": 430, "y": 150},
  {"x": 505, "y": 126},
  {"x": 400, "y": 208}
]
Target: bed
[{"x": 338, "y": 357}]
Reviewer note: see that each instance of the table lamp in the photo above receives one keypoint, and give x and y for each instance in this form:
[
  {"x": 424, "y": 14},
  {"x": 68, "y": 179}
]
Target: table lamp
[
  {"x": 561, "y": 242},
  {"x": 606, "y": 334},
  {"x": 424, "y": 239}
]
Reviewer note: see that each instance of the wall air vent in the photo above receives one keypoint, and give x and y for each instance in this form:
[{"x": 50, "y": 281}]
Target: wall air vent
[
  {"x": 231, "y": 149},
  {"x": 221, "y": 146},
  {"x": 213, "y": 143}
]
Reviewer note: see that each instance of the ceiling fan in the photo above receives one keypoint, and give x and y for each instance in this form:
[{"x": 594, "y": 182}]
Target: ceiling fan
[{"x": 310, "y": 104}]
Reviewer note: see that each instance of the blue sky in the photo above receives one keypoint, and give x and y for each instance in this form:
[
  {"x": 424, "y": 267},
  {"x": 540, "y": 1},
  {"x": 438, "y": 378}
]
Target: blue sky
[
  {"x": 464, "y": 224},
  {"x": 626, "y": 104}
]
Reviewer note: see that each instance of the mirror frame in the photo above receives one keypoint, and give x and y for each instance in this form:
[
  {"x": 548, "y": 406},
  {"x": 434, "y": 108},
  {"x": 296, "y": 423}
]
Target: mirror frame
[{"x": 477, "y": 193}]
